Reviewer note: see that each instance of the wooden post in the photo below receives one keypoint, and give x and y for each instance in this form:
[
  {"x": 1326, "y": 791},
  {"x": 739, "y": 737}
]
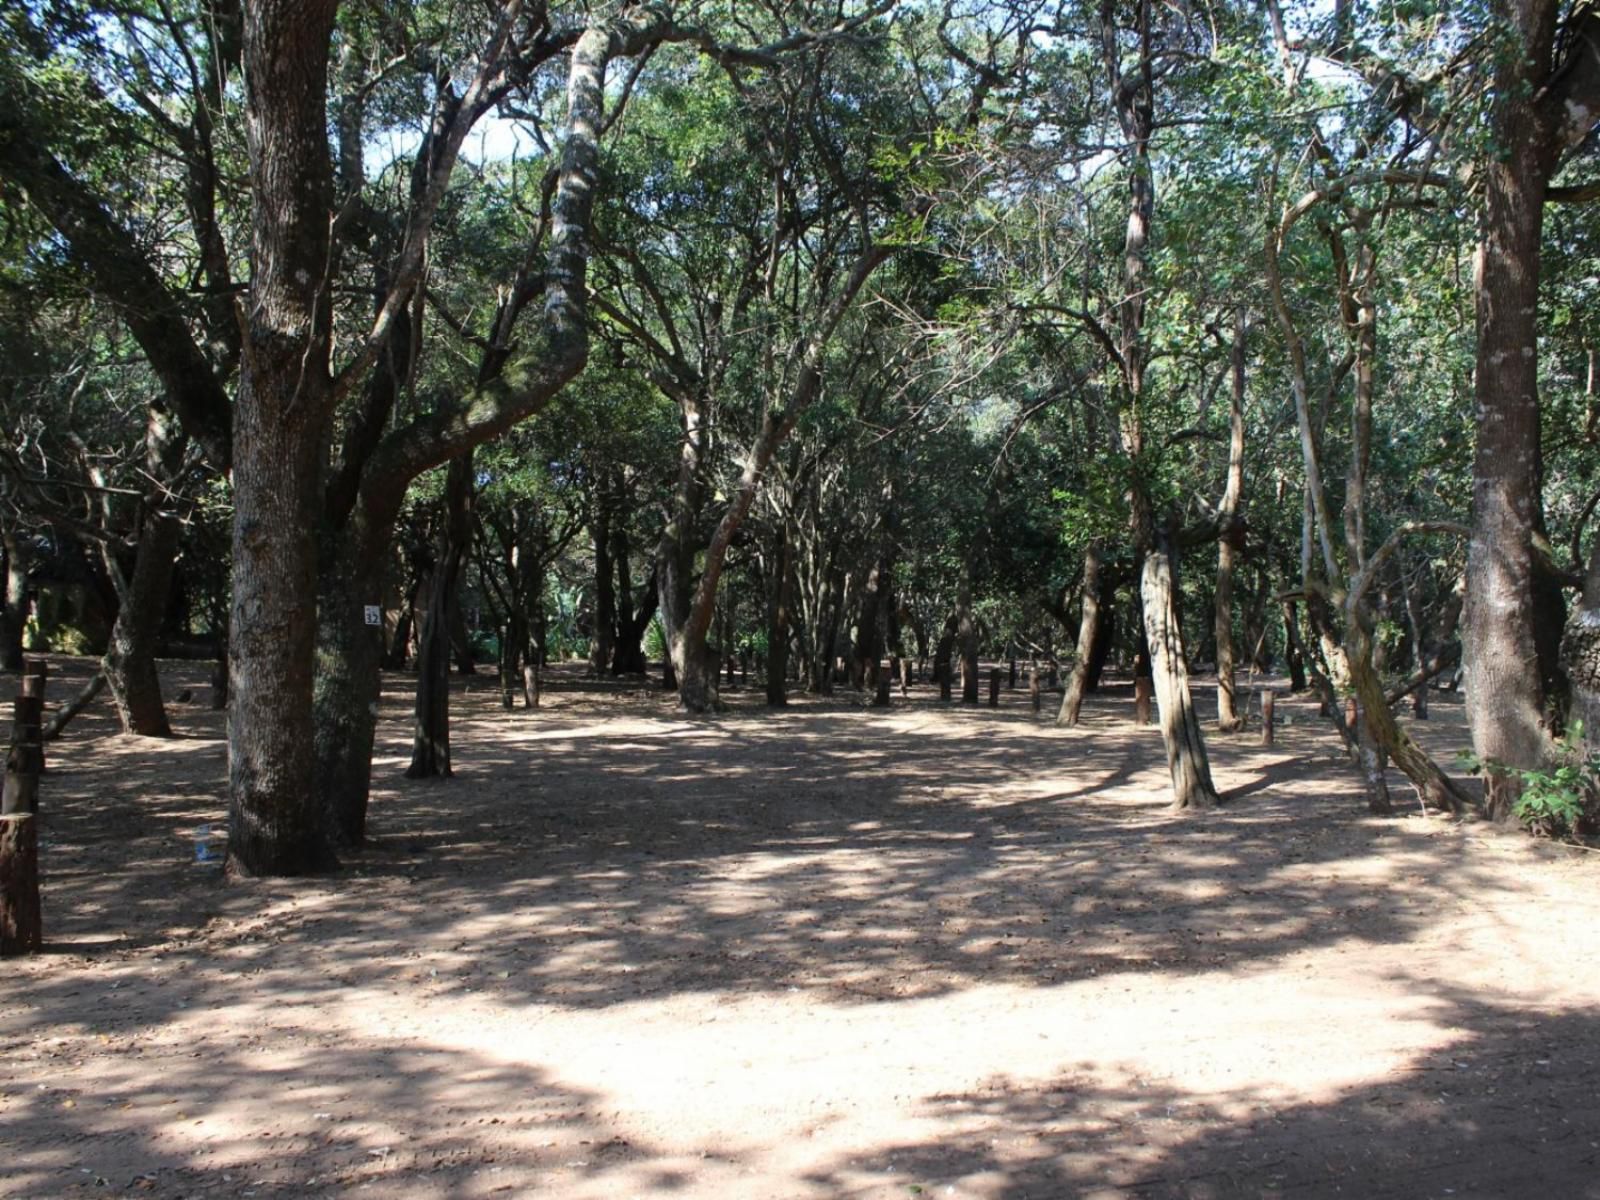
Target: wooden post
[
  {"x": 21, "y": 927},
  {"x": 33, "y": 676},
  {"x": 1268, "y": 702},
  {"x": 994, "y": 687},
  {"x": 1141, "y": 699},
  {"x": 1033, "y": 688}
]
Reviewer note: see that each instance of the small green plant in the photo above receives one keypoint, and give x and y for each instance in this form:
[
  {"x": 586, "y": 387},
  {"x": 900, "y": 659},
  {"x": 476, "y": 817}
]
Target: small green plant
[{"x": 1555, "y": 799}]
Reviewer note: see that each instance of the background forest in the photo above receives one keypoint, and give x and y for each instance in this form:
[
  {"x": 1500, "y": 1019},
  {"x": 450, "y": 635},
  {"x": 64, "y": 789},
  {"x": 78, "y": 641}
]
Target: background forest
[{"x": 810, "y": 343}]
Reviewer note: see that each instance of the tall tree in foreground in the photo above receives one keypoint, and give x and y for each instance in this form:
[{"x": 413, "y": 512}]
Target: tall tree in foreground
[{"x": 1544, "y": 103}]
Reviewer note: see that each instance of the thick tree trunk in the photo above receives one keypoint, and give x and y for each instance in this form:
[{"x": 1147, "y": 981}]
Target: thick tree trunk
[
  {"x": 349, "y": 670},
  {"x": 629, "y": 658},
  {"x": 1505, "y": 691},
  {"x": 1088, "y": 632},
  {"x": 1180, "y": 726},
  {"x": 275, "y": 826}
]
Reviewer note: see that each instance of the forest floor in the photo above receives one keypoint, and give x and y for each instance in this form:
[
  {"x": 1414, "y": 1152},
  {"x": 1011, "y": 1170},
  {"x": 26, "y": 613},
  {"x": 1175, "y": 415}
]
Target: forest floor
[{"x": 830, "y": 952}]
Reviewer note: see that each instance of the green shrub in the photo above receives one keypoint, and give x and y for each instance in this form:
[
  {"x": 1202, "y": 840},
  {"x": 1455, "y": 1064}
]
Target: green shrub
[{"x": 1558, "y": 799}]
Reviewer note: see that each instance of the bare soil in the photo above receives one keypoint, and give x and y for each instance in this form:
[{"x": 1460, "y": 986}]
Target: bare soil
[{"x": 828, "y": 952}]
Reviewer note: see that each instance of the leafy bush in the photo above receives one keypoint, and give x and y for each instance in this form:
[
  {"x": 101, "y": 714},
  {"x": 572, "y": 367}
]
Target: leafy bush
[{"x": 1556, "y": 800}]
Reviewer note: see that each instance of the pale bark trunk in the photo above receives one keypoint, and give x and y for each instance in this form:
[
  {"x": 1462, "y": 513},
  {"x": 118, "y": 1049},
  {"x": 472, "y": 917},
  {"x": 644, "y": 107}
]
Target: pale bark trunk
[
  {"x": 1180, "y": 725},
  {"x": 1230, "y": 543}
]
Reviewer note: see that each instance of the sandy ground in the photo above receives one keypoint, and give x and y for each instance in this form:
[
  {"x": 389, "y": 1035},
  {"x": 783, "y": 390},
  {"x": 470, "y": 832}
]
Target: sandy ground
[{"x": 832, "y": 952}]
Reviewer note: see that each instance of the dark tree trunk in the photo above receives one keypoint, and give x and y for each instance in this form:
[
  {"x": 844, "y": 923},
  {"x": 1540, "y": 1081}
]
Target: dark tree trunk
[
  {"x": 285, "y": 393},
  {"x": 967, "y": 635},
  {"x": 430, "y": 747},
  {"x": 130, "y": 659},
  {"x": 603, "y": 643},
  {"x": 349, "y": 675},
  {"x": 1542, "y": 105},
  {"x": 21, "y": 919},
  {"x": 869, "y": 628},
  {"x": 1088, "y": 634},
  {"x": 1293, "y": 648},
  {"x": 16, "y": 609},
  {"x": 780, "y": 593},
  {"x": 943, "y": 658},
  {"x": 629, "y": 658}
]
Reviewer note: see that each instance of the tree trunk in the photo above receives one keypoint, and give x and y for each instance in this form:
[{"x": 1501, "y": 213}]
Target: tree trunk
[
  {"x": 16, "y": 608},
  {"x": 1088, "y": 632},
  {"x": 1293, "y": 648},
  {"x": 603, "y": 642},
  {"x": 1180, "y": 727},
  {"x": 780, "y": 592},
  {"x": 1227, "y": 710},
  {"x": 1580, "y": 656},
  {"x": 349, "y": 669},
  {"x": 967, "y": 634},
  {"x": 430, "y": 747},
  {"x": 1530, "y": 109},
  {"x": 1434, "y": 787},
  {"x": 130, "y": 659},
  {"x": 1231, "y": 542},
  {"x": 284, "y": 398}
]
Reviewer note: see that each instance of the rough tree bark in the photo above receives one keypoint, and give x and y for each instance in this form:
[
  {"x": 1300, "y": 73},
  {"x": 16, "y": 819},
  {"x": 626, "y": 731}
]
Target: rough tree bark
[
  {"x": 285, "y": 396},
  {"x": 1543, "y": 104}
]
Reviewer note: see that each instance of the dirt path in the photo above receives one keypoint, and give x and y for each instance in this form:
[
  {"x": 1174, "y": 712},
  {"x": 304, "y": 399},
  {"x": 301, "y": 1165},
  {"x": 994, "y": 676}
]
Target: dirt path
[{"x": 826, "y": 953}]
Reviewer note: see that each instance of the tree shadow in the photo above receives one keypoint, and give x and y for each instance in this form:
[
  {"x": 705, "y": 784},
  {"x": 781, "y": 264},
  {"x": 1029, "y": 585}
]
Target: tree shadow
[{"x": 1506, "y": 1107}]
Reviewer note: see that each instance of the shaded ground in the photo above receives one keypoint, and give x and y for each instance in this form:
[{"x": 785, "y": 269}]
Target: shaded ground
[{"x": 832, "y": 952}]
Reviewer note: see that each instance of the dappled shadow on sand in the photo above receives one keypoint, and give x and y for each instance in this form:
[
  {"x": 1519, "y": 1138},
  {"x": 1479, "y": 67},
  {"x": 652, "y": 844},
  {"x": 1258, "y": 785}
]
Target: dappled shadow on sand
[
  {"x": 591, "y": 859},
  {"x": 1505, "y": 1108}
]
